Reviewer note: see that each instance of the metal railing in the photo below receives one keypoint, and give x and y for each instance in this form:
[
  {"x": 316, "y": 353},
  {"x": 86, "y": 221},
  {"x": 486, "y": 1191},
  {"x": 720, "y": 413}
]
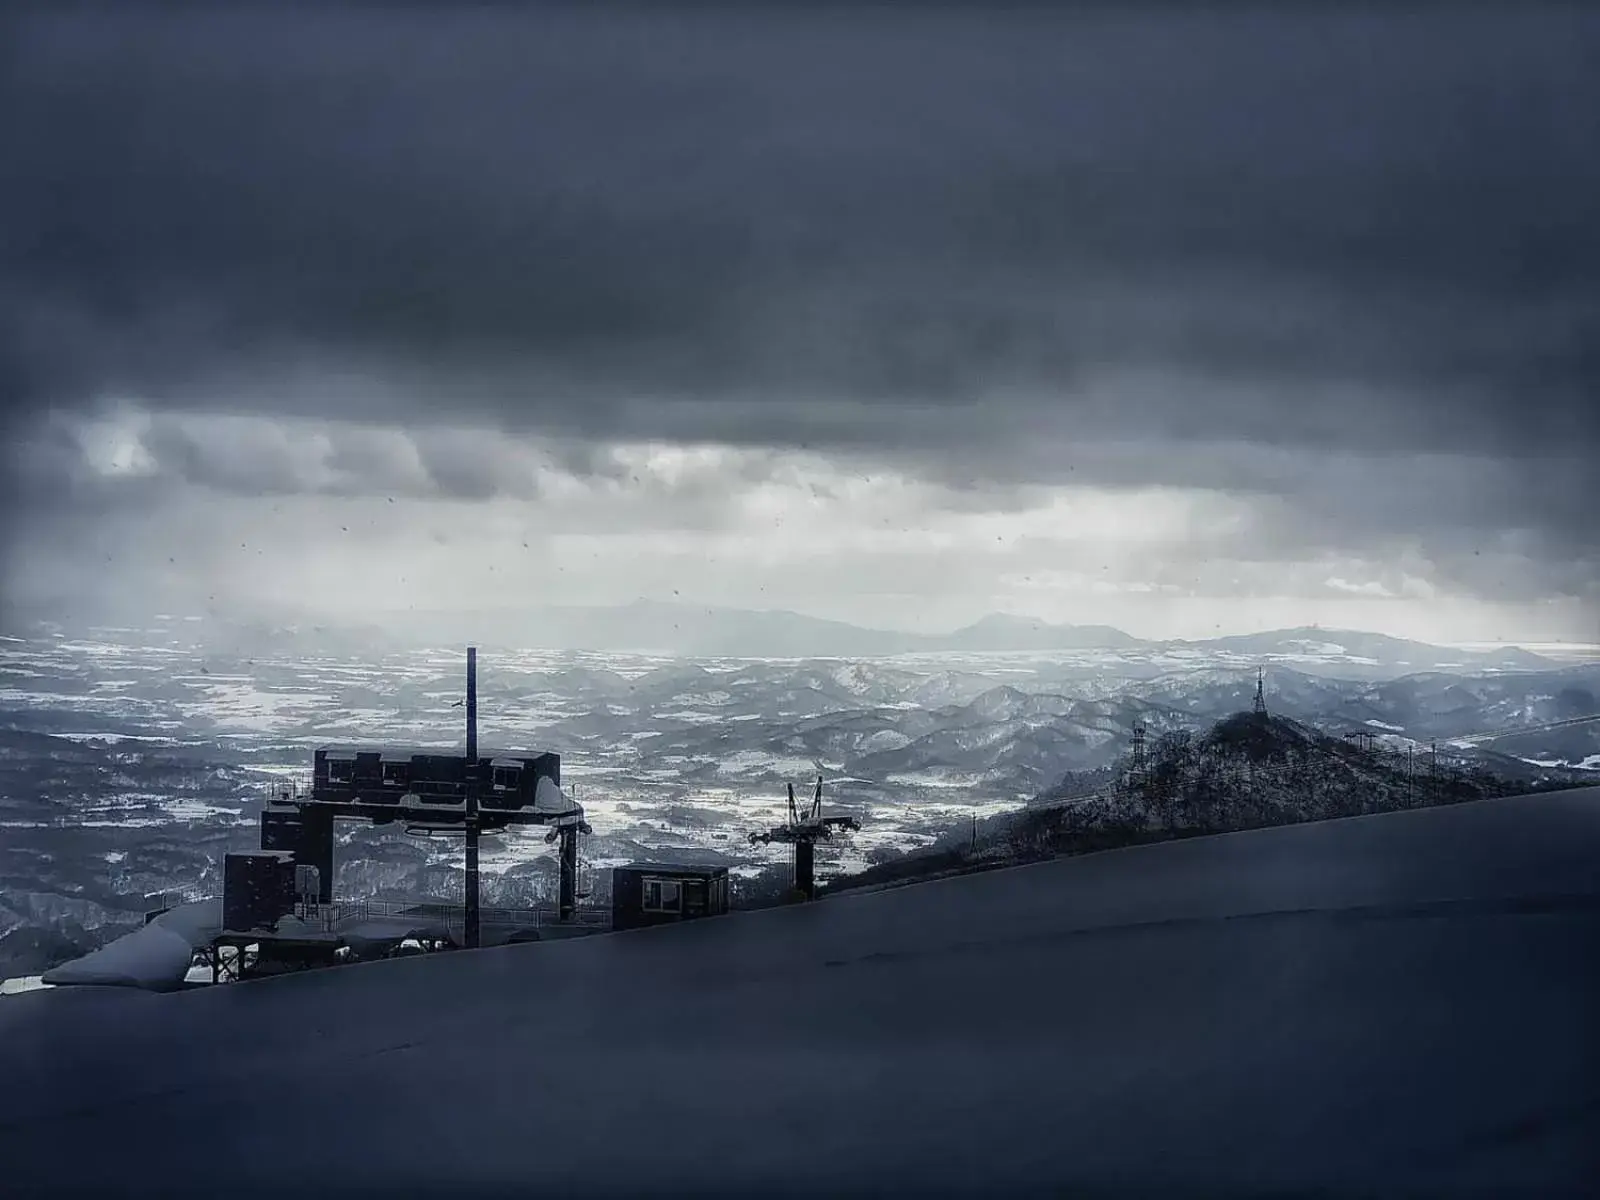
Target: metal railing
[
  {"x": 156, "y": 903},
  {"x": 291, "y": 788},
  {"x": 301, "y": 789},
  {"x": 328, "y": 917}
]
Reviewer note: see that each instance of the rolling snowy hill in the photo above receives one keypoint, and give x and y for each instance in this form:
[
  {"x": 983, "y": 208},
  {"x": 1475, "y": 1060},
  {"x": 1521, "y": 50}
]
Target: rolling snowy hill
[{"x": 1392, "y": 1004}]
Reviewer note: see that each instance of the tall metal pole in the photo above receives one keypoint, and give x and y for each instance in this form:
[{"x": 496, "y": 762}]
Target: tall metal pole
[
  {"x": 567, "y": 898},
  {"x": 472, "y": 799}
]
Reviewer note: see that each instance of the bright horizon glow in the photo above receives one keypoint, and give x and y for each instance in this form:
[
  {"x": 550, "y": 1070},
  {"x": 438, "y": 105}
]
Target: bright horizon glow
[{"x": 327, "y": 521}]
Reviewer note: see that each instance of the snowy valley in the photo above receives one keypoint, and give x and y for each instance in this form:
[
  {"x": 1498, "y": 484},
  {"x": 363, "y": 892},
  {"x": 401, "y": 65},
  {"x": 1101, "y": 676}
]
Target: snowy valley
[{"x": 132, "y": 760}]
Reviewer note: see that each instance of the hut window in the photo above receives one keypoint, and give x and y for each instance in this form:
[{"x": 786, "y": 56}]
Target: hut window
[
  {"x": 506, "y": 779},
  {"x": 662, "y": 895},
  {"x": 340, "y": 770},
  {"x": 394, "y": 773}
]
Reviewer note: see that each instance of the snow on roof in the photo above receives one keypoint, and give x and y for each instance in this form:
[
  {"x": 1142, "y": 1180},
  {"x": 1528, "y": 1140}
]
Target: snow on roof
[
  {"x": 154, "y": 956},
  {"x": 661, "y": 868},
  {"x": 350, "y": 749},
  {"x": 550, "y": 800}
]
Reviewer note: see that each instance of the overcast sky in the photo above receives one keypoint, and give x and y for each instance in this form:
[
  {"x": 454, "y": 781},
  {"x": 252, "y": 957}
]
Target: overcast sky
[{"x": 1182, "y": 318}]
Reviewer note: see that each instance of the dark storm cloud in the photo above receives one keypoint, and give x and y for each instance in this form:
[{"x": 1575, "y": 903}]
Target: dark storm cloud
[{"x": 1007, "y": 246}]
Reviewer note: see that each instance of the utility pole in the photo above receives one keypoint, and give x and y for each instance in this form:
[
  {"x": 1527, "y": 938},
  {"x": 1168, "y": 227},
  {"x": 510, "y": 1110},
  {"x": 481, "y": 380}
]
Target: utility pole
[{"x": 472, "y": 800}]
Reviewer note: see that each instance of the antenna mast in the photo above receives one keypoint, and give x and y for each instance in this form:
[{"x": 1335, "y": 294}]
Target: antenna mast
[{"x": 471, "y": 931}]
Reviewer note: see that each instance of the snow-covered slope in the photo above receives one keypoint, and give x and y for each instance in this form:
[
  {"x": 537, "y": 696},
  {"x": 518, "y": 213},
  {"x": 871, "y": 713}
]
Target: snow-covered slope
[
  {"x": 154, "y": 956},
  {"x": 1393, "y": 1004}
]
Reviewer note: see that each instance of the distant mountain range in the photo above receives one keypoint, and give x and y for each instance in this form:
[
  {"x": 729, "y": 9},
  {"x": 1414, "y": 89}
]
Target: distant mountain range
[
  {"x": 1311, "y": 644},
  {"x": 705, "y": 631}
]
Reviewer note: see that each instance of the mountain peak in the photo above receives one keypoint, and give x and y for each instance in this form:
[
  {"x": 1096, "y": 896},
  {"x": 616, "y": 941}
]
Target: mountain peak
[
  {"x": 1259, "y": 735},
  {"x": 1011, "y": 631},
  {"x": 1005, "y": 620}
]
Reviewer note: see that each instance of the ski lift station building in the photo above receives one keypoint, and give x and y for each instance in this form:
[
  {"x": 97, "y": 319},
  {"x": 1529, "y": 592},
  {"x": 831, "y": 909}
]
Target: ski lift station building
[{"x": 652, "y": 893}]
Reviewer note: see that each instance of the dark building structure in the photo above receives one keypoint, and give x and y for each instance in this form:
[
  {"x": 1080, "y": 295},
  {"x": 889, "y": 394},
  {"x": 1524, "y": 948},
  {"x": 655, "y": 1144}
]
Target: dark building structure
[
  {"x": 305, "y": 832},
  {"x": 426, "y": 790},
  {"x": 392, "y": 775},
  {"x": 645, "y": 893},
  {"x": 257, "y": 889}
]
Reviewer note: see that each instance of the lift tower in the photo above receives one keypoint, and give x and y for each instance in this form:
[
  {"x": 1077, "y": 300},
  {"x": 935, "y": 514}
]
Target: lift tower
[{"x": 803, "y": 831}]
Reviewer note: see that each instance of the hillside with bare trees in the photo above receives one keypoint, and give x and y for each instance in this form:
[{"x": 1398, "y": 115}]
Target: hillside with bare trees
[{"x": 1248, "y": 771}]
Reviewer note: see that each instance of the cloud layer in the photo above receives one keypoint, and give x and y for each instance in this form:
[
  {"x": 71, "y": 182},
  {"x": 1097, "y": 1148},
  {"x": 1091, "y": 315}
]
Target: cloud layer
[{"x": 1339, "y": 266}]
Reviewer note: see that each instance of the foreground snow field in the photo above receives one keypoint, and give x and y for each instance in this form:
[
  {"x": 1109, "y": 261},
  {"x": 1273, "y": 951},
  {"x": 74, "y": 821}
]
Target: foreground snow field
[{"x": 1398, "y": 1003}]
